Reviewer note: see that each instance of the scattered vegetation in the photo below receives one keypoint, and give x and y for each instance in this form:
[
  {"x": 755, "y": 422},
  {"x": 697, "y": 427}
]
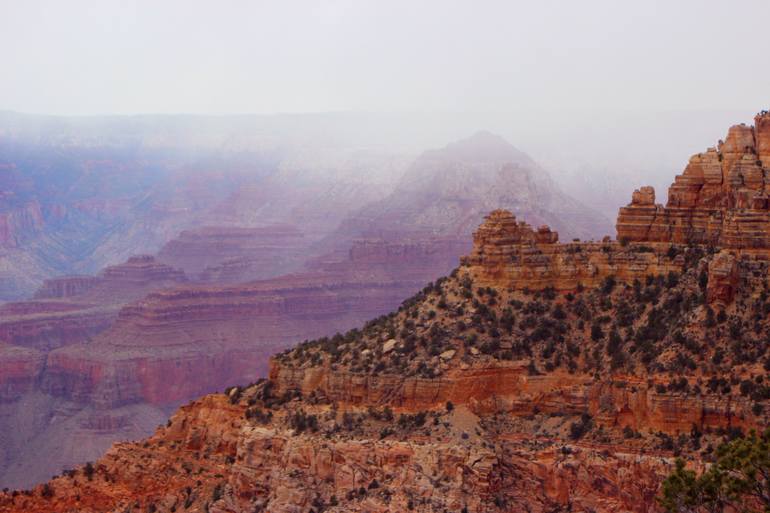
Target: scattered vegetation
[{"x": 738, "y": 480}]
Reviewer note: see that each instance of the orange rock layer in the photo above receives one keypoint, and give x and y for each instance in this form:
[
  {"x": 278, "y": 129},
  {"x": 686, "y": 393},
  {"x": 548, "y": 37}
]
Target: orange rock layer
[
  {"x": 511, "y": 254},
  {"x": 722, "y": 198},
  {"x": 625, "y": 401}
]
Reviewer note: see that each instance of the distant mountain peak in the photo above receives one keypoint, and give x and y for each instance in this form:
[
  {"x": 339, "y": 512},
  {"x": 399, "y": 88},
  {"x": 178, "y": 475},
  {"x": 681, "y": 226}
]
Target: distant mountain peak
[{"x": 483, "y": 145}]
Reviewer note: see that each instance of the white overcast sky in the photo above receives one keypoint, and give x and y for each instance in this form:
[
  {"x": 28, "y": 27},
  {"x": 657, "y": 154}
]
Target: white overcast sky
[{"x": 183, "y": 56}]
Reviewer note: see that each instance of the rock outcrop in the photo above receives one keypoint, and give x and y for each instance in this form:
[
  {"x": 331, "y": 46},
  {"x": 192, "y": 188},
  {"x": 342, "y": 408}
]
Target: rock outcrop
[
  {"x": 507, "y": 253},
  {"x": 626, "y": 401},
  {"x": 723, "y": 277},
  {"x": 114, "y": 284},
  {"x": 721, "y": 198}
]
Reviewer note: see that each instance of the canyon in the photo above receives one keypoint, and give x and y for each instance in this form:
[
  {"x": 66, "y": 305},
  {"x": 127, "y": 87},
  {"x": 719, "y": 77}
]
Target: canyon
[
  {"x": 535, "y": 376},
  {"x": 294, "y": 256},
  {"x": 80, "y": 194}
]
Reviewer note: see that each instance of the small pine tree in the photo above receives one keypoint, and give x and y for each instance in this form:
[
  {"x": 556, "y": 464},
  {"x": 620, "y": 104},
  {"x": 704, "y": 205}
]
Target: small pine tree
[{"x": 737, "y": 481}]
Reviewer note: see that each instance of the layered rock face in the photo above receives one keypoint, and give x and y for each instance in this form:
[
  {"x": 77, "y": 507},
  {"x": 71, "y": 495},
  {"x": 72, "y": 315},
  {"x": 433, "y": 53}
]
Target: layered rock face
[
  {"x": 129, "y": 280},
  {"x": 19, "y": 367},
  {"x": 224, "y": 254},
  {"x": 66, "y": 286},
  {"x": 626, "y": 402},
  {"x": 43, "y": 329},
  {"x": 512, "y": 254},
  {"x": 135, "y": 278},
  {"x": 66, "y": 311},
  {"x": 73, "y": 309},
  {"x": 720, "y": 199},
  {"x": 183, "y": 342}
]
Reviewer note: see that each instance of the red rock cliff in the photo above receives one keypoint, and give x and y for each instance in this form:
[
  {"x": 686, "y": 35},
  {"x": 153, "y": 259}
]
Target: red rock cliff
[{"x": 720, "y": 199}]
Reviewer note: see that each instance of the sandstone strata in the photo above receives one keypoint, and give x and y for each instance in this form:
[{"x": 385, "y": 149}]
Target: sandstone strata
[
  {"x": 720, "y": 199},
  {"x": 66, "y": 286},
  {"x": 626, "y": 401},
  {"x": 75, "y": 308},
  {"x": 226, "y": 254},
  {"x": 509, "y": 253},
  {"x": 19, "y": 368},
  {"x": 180, "y": 343}
]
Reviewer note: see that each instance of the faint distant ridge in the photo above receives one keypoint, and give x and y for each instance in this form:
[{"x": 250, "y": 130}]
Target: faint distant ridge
[
  {"x": 447, "y": 191},
  {"x": 483, "y": 146}
]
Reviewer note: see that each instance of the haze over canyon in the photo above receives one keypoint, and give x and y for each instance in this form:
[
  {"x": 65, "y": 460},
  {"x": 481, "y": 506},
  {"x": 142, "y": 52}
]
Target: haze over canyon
[
  {"x": 355, "y": 256},
  {"x": 578, "y": 369}
]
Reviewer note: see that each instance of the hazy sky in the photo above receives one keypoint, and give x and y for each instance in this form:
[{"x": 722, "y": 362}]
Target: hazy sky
[{"x": 110, "y": 56}]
